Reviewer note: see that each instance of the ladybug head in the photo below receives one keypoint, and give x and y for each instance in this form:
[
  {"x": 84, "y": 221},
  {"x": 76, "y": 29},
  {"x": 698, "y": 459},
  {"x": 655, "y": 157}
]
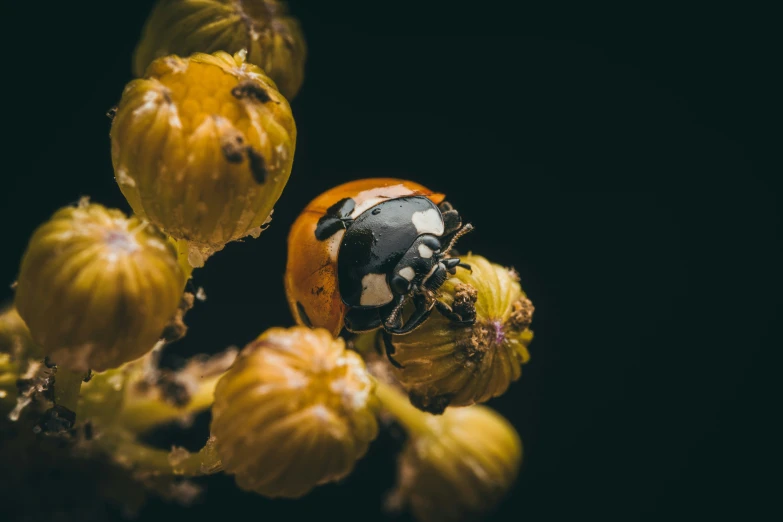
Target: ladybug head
[{"x": 426, "y": 264}]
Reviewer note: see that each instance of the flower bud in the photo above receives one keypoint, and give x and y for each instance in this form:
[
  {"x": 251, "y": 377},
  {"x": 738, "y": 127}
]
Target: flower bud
[
  {"x": 272, "y": 38},
  {"x": 9, "y": 373},
  {"x": 444, "y": 363},
  {"x": 202, "y": 147},
  {"x": 96, "y": 288},
  {"x": 296, "y": 410},
  {"x": 460, "y": 468},
  {"x": 15, "y": 339}
]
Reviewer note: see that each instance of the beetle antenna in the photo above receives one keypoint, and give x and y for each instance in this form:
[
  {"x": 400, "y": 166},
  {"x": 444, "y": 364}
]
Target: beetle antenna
[{"x": 461, "y": 232}]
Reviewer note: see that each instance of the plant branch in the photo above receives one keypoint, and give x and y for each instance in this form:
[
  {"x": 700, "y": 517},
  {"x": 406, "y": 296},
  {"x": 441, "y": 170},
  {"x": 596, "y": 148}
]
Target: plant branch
[
  {"x": 144, "y": 413},
  {"x": 127, "y": 451},
  {"x": 415, "y": 421}
]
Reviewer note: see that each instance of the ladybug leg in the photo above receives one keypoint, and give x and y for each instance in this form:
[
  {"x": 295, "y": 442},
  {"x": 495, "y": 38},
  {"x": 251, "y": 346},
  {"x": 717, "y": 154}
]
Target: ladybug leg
[
  {"x": 445, "y": 206},
  {"x": 420, "y": 314},
  {"x": 390, "y": 349},
  {"x": 452, "y": 222},
  {"x": 358, "y": 320},
  {"x": 447, "y": 312},
  {"x": 391, "y": 314},
  {"x": 452, "y": 263},
  {"x": 451, "y": 239}
]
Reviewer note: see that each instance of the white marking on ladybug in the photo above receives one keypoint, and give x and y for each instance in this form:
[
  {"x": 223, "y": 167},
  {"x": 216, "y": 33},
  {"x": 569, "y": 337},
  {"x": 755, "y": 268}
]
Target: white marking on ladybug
[
  {"x": 333, "y": 244},
  {"x": 365, "y": 205},
  {"x": 428, "y": 222},
  {"x": 375, "y": 290},
  {"x": 408, "y": 273},
  {"x": 425, "y": 251}
]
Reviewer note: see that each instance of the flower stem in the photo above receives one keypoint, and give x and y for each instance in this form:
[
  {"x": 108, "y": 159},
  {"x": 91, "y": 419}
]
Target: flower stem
[
  {"x": 415, "y": 421},
  {"x": 67, "y": 385},
  {"x": 142, "y": 458},
  {"x": 142, "y": 414}
]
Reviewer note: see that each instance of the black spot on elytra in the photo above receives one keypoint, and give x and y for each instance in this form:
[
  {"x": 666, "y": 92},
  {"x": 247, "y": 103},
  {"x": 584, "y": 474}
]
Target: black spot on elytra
[
  {"x": 337, "y": 217},
  {"x": 319, "y": 290},
  {"x": 250, "y": 89},
  {"x": 257, "y": 165},
  {"x": 342, "y": 209}
]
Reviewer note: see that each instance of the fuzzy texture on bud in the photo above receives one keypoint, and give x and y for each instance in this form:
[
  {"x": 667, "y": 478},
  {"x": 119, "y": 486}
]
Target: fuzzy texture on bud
[
  {"x": 96, "y": 288},
  {"x": 460, "y": 468},
  {"x": 272, "y": 38},
  {"x": 202, "y": 147},
  {"x": 296, "y": 410},
  {"x": 443, "y": 363}
]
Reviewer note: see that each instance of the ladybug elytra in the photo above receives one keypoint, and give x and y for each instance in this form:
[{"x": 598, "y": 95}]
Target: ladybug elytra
[{"x": 360, "y": 251}]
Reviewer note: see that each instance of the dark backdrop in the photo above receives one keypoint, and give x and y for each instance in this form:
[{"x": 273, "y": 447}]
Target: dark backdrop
[{"x": 613, "y": 156}]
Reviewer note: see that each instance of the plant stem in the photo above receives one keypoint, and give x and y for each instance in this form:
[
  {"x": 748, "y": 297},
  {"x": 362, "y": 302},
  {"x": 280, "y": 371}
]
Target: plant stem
[
  {"x": 67, "y": 385},
  {"x": 142, "y": 414},
  {"x": 140, "y": 457},
  {"x": 415, "y": 421},
  {"x": 365, "y": 343}
]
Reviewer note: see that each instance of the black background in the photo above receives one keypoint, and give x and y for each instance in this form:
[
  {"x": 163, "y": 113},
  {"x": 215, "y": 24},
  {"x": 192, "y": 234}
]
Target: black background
[{"x": 613, "y": 155}]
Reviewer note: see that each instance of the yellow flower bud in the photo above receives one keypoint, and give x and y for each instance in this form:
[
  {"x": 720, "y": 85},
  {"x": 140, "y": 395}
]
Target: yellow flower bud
[
  {"x": 295, "y": 411},
  {"x": 460, "y": 467},
  {"x": 202, "y": 147},
  {"x": 272, "y": 38},
  {"x": 444, "y": 363},
  {"x": 97, "y": 289},
  {"x": 15, "y": 338},
  {"x": 9, "y": 373}
]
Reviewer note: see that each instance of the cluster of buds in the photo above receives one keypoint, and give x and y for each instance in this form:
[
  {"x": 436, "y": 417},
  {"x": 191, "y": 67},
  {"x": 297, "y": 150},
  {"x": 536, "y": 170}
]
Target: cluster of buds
[
  {"x": 272, "y": 38},
  {"x": 202, "y": 144}
]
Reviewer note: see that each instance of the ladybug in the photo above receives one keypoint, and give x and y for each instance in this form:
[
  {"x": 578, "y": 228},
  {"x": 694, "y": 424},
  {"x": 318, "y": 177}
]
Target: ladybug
[{"x": 362, "y": 250}]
